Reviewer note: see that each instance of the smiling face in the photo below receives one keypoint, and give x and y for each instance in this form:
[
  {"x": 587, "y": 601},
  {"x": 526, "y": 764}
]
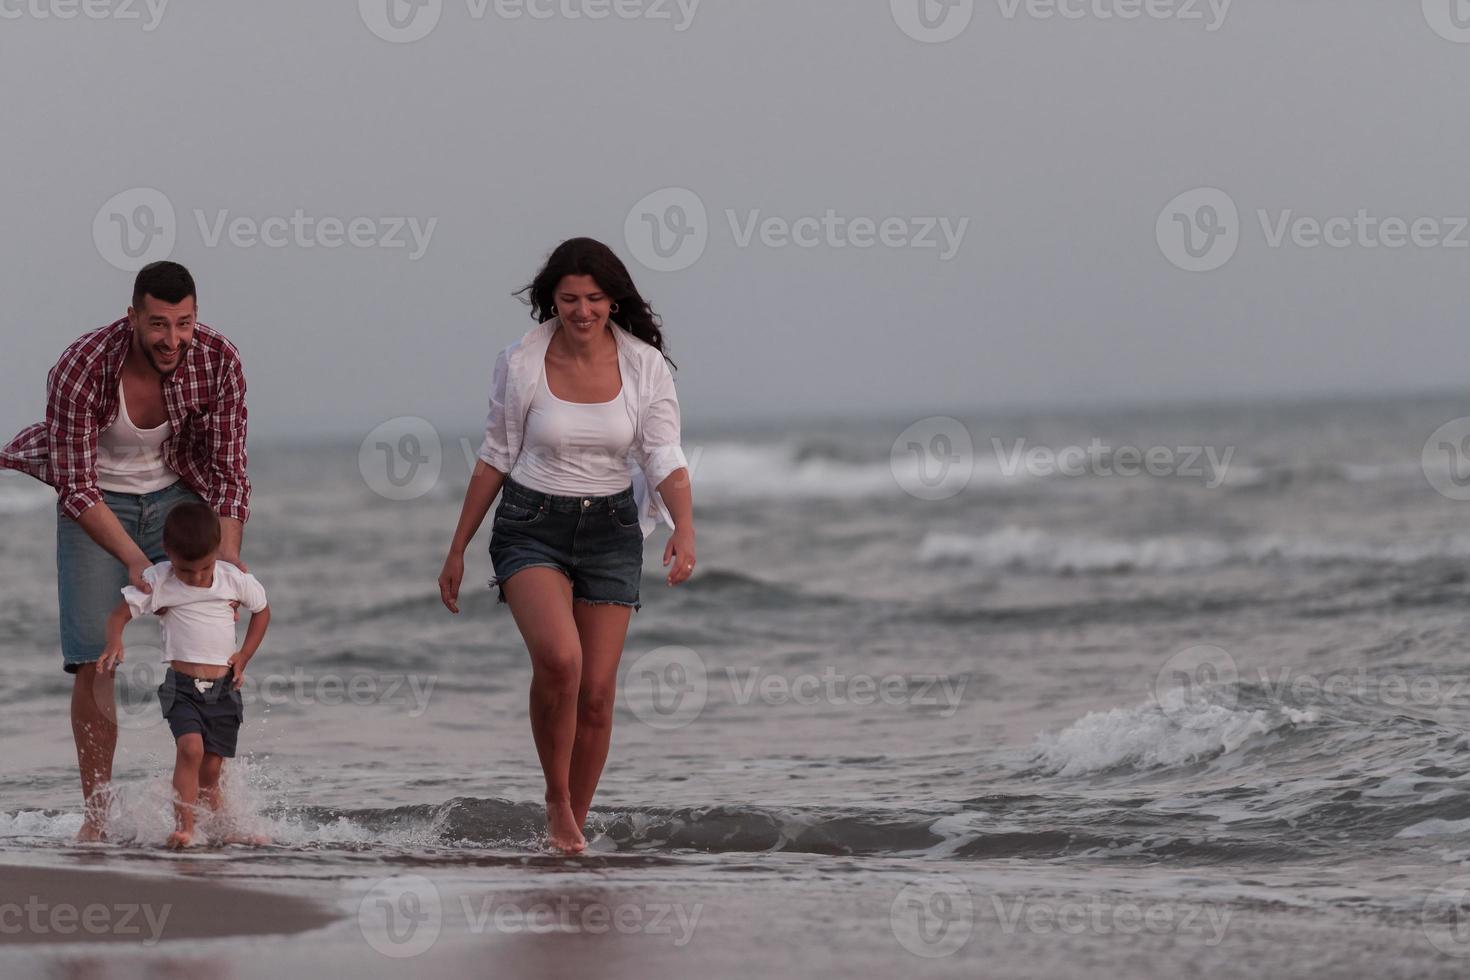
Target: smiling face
[
  {"x": 198, "y": 573},
  {"x": 162, "y": 332},
  {"x": 582, "y": 305}
]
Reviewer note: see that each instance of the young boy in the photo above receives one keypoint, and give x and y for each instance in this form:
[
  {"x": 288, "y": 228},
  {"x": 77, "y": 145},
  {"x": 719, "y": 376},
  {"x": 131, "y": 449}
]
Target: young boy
[{"x": 194, "y": 593}]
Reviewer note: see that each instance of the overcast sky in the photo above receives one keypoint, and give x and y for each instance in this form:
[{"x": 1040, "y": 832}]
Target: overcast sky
[{"x": 1049, "y": 149}]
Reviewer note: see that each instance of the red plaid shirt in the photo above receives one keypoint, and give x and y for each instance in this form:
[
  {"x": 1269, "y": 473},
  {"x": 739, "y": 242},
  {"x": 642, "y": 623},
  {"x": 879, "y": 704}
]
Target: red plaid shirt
[{"x": 205, "y": 398}]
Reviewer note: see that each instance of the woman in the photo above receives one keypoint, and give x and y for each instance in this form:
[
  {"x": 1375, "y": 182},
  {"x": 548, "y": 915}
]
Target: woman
[{"x": 570, "y": 401}]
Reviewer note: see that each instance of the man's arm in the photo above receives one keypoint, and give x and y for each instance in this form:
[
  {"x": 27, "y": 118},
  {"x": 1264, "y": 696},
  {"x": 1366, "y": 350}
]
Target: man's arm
[
  {"x": 229, "y": 490},
  {"x": 71, "y": 435}
]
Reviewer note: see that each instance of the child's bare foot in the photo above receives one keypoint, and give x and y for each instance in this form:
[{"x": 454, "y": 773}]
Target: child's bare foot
[
  {"x": 179, "y": 839},
  {"x": 561, "y": 829}
]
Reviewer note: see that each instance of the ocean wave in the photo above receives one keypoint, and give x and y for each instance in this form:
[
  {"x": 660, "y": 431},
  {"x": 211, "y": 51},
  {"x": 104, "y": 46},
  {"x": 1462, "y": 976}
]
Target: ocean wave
[
  {"x": 1157, "y": 734},
  {"x": 1035, "y": 550}
]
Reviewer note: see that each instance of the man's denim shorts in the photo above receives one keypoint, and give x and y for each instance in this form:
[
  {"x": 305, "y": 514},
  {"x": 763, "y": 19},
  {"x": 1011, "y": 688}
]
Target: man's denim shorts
[
  {"x": 596, "y": 542},
  {"x": 89, "y": 581}
]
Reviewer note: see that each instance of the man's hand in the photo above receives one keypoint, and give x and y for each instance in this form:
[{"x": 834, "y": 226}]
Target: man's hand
[
  {"x": 237, "y": 662},
  {"x": 449, "y": 581},
  {"x": 112, "y": 655},
  {"x": 136, "y": 579},
  {"x": 234, "y": 559}
]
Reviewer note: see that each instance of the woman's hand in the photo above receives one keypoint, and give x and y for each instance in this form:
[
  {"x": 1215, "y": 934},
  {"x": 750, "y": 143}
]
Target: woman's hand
[
  {"x": 680, "y": 550},
  {"x": 449, "y": 580}
]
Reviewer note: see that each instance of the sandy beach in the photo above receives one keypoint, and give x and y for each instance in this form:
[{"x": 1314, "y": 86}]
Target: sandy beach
[{"x": 615, "y": 919}]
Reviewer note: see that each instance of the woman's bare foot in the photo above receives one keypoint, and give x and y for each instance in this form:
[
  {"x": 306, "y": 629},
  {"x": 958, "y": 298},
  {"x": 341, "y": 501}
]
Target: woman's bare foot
[
  {"x": 91, "y": 831},
  {"x": 179, "y": 839},
  {"x": 561, "y": 829}
]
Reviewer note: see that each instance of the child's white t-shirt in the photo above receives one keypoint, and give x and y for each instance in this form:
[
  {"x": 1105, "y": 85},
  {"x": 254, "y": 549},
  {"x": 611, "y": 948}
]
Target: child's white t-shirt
[{"x": 199, "y": 627}]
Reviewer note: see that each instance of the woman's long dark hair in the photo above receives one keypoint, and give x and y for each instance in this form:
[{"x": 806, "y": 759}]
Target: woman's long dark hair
[{"x": 589, "y": 257}]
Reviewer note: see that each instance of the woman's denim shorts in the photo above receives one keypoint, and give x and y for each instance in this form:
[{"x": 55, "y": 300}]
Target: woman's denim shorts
[{"x": 596, "y": 542}]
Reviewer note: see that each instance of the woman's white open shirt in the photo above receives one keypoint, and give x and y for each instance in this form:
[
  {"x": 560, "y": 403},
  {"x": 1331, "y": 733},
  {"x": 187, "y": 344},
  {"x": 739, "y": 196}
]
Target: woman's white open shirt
[{"x": 649, "y": 385}]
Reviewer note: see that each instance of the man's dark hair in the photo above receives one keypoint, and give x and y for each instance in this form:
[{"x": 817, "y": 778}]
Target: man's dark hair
[
  {"x": 191, "y": 531},
  {"x": 167, "y": 282}
]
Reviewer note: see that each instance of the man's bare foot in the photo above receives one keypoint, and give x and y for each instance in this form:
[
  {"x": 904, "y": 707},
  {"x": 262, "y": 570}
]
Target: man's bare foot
[
  {"x": 91, "y": 831},
  {"x": 179, "y": 839},
  {"x": 561, "y": 829}
]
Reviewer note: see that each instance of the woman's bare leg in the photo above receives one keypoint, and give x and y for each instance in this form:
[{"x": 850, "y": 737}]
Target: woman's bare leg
[
  {"x": 602, "y": 629},
  {"x": 540, "y": 599}
]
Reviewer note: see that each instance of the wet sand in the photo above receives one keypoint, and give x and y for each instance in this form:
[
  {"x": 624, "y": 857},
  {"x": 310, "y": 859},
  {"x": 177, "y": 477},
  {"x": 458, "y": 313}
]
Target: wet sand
[{"x": 51, "y": 905}]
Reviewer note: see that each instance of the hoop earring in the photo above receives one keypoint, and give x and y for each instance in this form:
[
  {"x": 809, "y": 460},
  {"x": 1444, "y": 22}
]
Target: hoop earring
[{"x": 614, "y": 308}]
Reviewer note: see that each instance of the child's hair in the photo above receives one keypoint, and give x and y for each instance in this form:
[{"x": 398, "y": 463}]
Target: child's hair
[{"x": 191, "y": 531}]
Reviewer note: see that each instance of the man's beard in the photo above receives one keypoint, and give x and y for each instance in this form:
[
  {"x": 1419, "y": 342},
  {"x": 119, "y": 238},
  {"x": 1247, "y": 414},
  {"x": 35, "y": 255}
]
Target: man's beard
[{"x": 179, "y": 362}]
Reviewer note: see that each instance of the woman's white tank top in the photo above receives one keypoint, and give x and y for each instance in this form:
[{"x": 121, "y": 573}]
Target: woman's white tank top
[{"x": 575, "y": 448}]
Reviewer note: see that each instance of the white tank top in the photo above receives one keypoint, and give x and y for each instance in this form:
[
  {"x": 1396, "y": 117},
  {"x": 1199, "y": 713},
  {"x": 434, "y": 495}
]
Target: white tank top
[
  {"x": 130, "y": 459},
  {"x": 575, "y": 448}
]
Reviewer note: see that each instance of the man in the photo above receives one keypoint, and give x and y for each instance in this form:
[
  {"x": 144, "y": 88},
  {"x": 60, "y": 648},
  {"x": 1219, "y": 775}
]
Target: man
[{"x": 141, "y": 415}]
